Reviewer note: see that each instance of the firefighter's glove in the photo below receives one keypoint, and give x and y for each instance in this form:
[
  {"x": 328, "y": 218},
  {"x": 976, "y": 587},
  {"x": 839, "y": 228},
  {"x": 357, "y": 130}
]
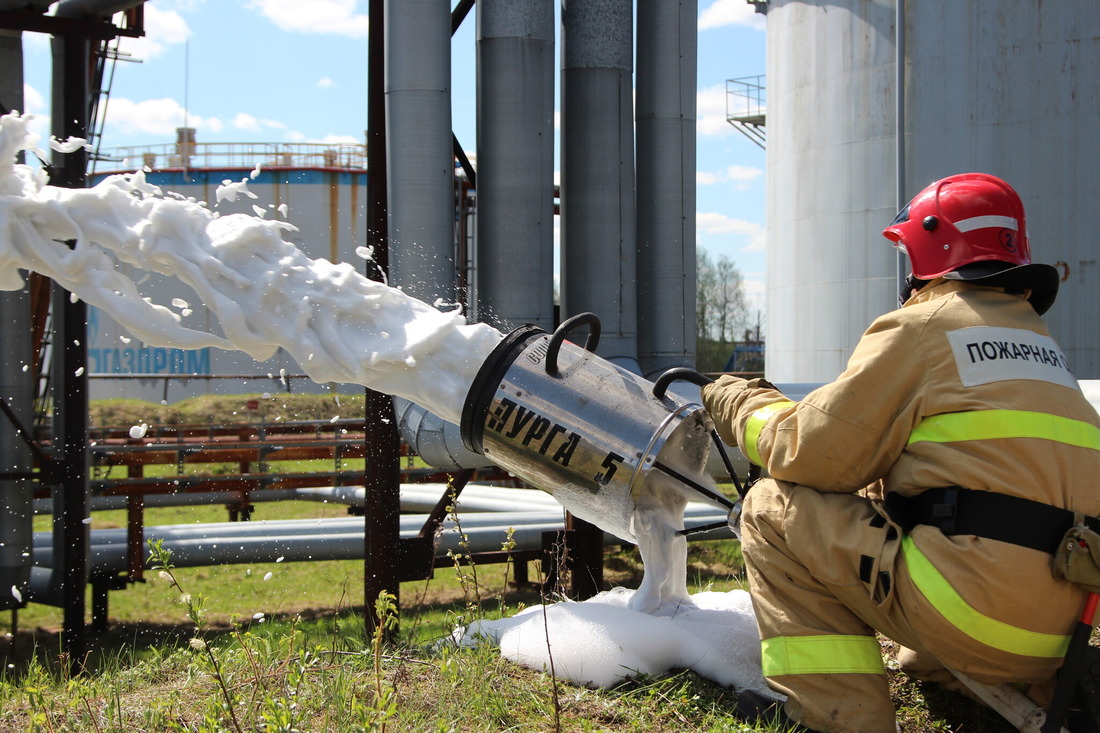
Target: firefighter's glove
[
  {"x": 722, "y": 399},
  {"x": 725, "y": 399}
]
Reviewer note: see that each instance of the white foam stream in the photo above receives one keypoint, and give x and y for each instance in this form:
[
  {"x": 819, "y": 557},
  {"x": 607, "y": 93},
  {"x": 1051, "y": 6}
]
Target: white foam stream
[
  {"x": 340, "y": 326},
  {"x": 265, "y": 293}
]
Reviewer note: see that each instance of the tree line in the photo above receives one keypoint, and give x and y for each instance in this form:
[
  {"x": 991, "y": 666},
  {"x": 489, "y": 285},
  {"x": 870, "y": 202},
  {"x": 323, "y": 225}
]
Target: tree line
[{"x": 728, "y": 337}]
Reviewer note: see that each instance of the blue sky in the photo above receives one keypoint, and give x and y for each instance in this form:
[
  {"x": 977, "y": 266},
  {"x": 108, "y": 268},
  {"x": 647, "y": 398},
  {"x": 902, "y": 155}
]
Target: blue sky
[{"x": 292, "y": 71}]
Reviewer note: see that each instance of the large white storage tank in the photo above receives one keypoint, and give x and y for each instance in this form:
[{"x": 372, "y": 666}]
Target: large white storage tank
[
  {"x": 1008, "y": 87},
  {"x": 320, "y": 189}
]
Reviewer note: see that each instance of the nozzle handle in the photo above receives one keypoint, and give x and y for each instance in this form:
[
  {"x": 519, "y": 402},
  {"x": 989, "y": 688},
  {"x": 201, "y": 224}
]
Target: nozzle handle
[
  {"x": 567, "y": 327},
  {"x": 684, "y": 374},
  {"x": 679, "y": 374}
]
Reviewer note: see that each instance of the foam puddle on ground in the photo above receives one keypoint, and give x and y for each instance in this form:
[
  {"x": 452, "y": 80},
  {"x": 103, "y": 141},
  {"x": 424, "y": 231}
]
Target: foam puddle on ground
[
  {"x": 340, "y": 326},
  {"x": 601, "y": 641}
]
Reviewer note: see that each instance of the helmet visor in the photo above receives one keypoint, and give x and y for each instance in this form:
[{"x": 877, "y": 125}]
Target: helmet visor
[
  {"x": 893, "y": 234},
  {"x": 902, "y": 217}
]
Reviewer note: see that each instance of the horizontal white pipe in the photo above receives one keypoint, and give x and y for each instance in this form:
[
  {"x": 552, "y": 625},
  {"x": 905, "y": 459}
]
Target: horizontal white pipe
[
  {"x": 284, "y": 527},
  {"x": 110, "y": 558},
  {"x": 414, "y": 498},
  {"x": 695, "y": 514},
  {"x": 339, "y": 538}
]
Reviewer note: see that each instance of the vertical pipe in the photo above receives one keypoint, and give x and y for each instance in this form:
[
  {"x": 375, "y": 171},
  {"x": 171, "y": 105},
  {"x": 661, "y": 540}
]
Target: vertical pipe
[
  {"x": 667, "y": 69},
  {"x": 899, "y": 113},
  {"x": 598, "y": 227},
  {"x": 11, "y": 71},
  {"x": 16, "y": 381},
  {"x": 72, "y": 55},
  {"x": 382, "y": 481},
  {"x": 515, "y": 162},
  {"x": 585, "y": 558},
  {"x": 420, "y": 154}
]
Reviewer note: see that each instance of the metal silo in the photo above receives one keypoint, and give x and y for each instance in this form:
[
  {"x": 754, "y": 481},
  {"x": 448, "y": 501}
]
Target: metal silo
[
  {"x": 1008, "y": 87},
  {"x": 515, "y": 172}
]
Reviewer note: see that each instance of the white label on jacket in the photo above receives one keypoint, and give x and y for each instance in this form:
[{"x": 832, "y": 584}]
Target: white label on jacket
[{"x": 985, "y": 354}]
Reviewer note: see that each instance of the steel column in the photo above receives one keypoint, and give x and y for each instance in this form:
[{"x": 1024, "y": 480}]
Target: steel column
[
  {"x": 417, "y": 79},
  {"x": 382, "y": 479},
  {"x": 16, "y": 383},
  {"x": 515, "y": 195},
  {"x": 598, "y": 227},
  {"x": 71, "y": 109},
  {"x": 665, "y": 102}
]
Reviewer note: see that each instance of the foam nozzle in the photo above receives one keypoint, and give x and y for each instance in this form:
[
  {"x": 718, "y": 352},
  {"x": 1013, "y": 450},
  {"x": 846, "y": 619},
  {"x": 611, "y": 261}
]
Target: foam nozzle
[{"x": 587, "y": 431}]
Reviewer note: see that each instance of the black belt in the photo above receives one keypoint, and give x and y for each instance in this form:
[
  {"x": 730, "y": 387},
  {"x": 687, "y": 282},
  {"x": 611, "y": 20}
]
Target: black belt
[{"x": 955, "y": 510}]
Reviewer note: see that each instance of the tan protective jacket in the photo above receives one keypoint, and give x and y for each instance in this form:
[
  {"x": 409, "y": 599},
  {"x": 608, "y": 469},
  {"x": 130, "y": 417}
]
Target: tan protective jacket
[{"x": 961, "y": 386}]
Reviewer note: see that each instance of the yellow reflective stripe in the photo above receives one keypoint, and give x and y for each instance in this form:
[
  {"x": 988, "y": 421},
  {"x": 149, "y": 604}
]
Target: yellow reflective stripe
[
  {"x": 968, "y": 620},
  {"x": 990, "y": 424},
  {"x": 755, "y": 424},
  {"x": 831, "y": 653}
]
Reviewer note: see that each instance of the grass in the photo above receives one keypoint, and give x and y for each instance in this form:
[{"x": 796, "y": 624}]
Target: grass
[
  {"x": 309, "y": 663},
  {"x": 239, "y": 590},
  {"x": 227, "y": 409},
  {"x": 232, "y": 648}
]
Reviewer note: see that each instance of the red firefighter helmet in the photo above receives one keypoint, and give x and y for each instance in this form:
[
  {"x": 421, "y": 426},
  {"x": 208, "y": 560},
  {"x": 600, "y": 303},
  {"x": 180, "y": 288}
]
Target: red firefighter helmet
[{"x": 971, "y": 227}]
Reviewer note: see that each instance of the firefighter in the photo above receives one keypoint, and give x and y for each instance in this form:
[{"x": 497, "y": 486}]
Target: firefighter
[{"x": 922, "y": 493}]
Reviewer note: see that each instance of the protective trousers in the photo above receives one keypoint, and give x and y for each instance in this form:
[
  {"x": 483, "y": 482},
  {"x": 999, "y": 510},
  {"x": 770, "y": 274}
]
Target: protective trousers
[{"x": 826, "y": 571}]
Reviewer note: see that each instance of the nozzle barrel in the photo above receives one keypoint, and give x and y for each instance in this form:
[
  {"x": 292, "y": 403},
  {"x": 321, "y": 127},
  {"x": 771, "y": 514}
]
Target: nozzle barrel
[{"x": 584, "y": 429}]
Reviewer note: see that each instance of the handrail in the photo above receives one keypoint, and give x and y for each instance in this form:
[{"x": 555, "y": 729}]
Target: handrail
[{"x": 239, "y": 155}]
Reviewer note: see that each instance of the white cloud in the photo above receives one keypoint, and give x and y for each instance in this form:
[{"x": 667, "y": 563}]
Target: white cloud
[
  {"x": 318, "y": 16},
  {"x": 163, "y": 28},
  {"x": 711, "y": 108},
  {"x": 35, "y": 105},
  {"x": 743, "y": 173},
  {"x": 754, "y": 283},
  {"x": 245, "y": 121},
  {"x": 325, "y": 83},
  {"x": 334, "y": 139},
  {"x": 295, "y": 136},
  {"x": 158, "y": 117},
  {"x": 740, "y": 175},
  {"x": 33, "y": 101},
  {"x": 709, "y": 222},
  {"x": 730, "y": 12},
  {"x": 756, "y": 290}
]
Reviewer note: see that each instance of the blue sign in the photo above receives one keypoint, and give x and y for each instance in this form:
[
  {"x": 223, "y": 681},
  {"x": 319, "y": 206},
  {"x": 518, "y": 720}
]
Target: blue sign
[{"x": 148, "y": 360}]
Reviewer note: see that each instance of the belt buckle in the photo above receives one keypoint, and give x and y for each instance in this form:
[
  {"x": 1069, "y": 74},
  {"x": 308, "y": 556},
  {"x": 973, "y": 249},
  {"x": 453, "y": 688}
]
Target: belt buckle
[{"x": 945, "y": 513}]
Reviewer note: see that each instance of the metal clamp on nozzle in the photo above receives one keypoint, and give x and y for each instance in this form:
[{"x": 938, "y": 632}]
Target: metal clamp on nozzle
[{"x": 733, "y": 519}]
